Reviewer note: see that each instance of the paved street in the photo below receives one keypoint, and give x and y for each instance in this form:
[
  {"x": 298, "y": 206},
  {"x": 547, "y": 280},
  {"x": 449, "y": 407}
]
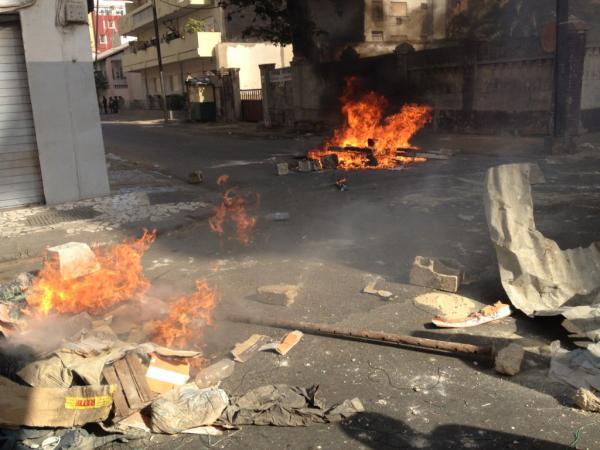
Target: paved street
[{"x": 330, "y": 243}]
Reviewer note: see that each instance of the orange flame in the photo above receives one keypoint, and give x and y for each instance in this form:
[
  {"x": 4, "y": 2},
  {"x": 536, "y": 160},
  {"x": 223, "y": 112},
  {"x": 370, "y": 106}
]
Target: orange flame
[
  {"x": 119, "y": 278},
  {"x": 234, "y": 208},
  {"x": 365, "y": 121},
  {"x": 187, "y": 318}
]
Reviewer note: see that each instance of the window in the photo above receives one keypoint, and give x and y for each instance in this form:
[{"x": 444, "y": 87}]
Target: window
[
  {"x": 111, "y": 24},
  {"x": 424, "y": 6},
  {"x": 117, "y": 70},
  {"x": 103, "y": 39},
  {"x": 175, "y": 85},
  {"x": 377, "y": 35},
  {"x": 377, "y": 10},
  {"x": 399, "y": 20},
  {"x": 400, "y": 9}
]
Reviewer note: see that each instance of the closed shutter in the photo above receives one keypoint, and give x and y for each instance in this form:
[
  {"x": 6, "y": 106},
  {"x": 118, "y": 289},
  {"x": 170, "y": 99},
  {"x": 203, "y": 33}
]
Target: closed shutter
[{"x": 20, "y": 176}]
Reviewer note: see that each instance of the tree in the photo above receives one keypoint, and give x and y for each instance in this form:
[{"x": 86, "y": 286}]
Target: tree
[{"x": 282, "y": 22}]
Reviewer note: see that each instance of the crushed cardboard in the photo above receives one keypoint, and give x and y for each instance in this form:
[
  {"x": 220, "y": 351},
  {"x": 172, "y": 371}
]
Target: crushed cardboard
[{"x": 539, "y": 278}]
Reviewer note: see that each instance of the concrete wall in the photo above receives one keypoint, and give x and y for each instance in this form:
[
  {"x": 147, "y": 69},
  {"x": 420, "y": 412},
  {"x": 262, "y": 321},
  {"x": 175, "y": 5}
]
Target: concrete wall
[
  {"x": 248, "y": 56},
  {"x": 65, "y": 109}
]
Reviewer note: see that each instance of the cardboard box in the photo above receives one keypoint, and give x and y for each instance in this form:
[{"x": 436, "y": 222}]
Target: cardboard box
[
  {"x": 165, "y": 373},
  {"x": 53, "y": 407}
]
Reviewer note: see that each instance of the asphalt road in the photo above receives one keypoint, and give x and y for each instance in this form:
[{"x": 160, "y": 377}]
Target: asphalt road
[{"x": 330, "y": 243}]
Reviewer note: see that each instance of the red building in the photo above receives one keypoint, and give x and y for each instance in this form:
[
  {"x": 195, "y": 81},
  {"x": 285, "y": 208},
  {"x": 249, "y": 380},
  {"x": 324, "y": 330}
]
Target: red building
[{"x": 107, "y": 19}]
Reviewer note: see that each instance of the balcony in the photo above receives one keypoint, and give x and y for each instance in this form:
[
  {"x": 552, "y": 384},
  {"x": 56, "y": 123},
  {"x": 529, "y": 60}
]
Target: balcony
[
  {"x": 193, "y": 46},
  {"x": 142, "y": 15}
]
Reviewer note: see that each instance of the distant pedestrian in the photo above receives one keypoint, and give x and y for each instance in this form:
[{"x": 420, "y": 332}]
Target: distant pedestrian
[
  {"x": 105, "y": 104},
  {"x": 117, "y": 104}
]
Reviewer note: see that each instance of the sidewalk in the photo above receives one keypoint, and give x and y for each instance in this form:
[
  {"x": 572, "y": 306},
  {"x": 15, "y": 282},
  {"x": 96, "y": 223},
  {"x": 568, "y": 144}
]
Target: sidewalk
[{"x": 140, "y": 199}]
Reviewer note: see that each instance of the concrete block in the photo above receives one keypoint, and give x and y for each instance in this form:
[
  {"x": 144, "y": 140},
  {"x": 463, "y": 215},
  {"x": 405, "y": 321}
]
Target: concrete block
[
  {"x": 278, "y": 294},
  {"x": 436, "y": 273},
  {"x": 282, "y": 168},
  {"x": 304, "y": 165},
  {"x": 509, "y": 360},
  {"x": 74, "y": 259}
]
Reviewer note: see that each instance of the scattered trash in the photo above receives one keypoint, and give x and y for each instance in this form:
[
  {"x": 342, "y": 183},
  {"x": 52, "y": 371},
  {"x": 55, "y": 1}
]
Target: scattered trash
[
  {"x": 285, "y": 406},
  {"x": 282, "y": 168},
  {"x": 288, "y": 342},
  {"x": 370, "y": 288},
  {"x": 330, "y": 161},
  {"x": 450, "y": 306},
  {"x": 166, "y": 373},
  {"x": 196, "y": 177},
  {"x": 187, "y": 407},
  {"x": 509, "y": 359},
  {"x": 487, "y": 314},
  {"x": 342, "y": 184},
  {"x": 74, "y": 259},
  {"x": 305, "y": 165},
  {"x": 53, "y": 407},
  {"x": 215, "y": 373},
  {"x": 278, "y": 216},
  {"x": 539, "y": 277},
  {"x": 132, "y": 389},
  {"x": 277, "y": 294},
  {"x": 579, "y": 368},
  {"x": 243, "y": 351},
  {"x": 436, "y": 273},
  {"x": 14, "y": 291},
  {"x": 587, "y": 400}
]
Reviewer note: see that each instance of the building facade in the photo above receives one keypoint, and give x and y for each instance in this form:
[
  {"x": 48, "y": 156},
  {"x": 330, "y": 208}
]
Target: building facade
[
  {"x": 104, "y": 25},
  {"x": 196, "y": 38},
  {"x": 126, "y": 86},
  {"x": 51, "y": 147}
]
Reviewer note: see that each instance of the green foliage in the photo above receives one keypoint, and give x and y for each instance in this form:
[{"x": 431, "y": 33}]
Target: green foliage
[{"x": 194, "y": 26}]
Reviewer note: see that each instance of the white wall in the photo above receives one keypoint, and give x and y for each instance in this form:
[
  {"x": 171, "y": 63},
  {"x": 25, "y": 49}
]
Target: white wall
[
  {"x": 247, "y": 57},
  {"x": 65, "y": 109}
]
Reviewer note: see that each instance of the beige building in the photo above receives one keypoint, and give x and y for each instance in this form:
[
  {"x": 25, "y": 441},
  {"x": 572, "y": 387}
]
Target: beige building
[
  {"x": 196, "y": 38},
  {"x": 418, "y": 22},
  {"x": 126, "y": 86}
]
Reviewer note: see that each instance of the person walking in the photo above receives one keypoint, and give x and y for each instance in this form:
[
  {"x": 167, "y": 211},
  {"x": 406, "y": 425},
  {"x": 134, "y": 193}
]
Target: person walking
[{"x": 105, "y": 104}]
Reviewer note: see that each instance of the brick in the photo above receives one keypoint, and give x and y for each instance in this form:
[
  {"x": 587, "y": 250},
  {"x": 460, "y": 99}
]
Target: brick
[
  {"x": 436, "y": 273},
  {"x": 278, "y": 294},
  {"x": 509, "y": 359},
  {"x": 74, "y": 259}
]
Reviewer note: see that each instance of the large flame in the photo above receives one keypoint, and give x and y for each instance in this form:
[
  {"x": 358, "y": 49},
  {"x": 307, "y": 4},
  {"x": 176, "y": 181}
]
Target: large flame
[
  {"x": 365, "y": 123},
  {"x": 119, "y": 278},
  {"x": 187, "y": 318},
  {"x": 235, "y": 209}
]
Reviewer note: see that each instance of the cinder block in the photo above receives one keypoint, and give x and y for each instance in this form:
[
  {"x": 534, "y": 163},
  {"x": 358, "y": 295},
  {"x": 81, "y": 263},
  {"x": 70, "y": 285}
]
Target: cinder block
[
  {"x": 436, "y": 273},
  {"x": 74, "y": 259}
]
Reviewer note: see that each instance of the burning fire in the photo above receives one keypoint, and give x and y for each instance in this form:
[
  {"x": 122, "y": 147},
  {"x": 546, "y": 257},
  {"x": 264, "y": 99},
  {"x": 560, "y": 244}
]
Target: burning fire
[
  {"x": 234, "y": 208},
  {"x": 366, "y": 126},
  {"x": 187, "y": 317},
  {"x": 120, "y": 277}
]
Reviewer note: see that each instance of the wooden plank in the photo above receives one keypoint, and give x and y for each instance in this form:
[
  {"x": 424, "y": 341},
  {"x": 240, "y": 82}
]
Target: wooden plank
[
  {"x": 129, "y": 389},
  {"x": 139, "y": 376},
  {"x": 121, "y": 408}
]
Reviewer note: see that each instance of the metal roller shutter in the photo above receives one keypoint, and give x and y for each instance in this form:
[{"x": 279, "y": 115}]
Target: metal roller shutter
[{"x": 20, "y": 176}]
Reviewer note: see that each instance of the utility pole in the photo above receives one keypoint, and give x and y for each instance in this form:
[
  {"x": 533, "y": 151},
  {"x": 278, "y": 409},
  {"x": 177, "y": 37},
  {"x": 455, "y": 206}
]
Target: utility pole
[
  {"x": 96, "y": 33},
  {"x": 561, "y": 68},
  {"x": 160, "y": 64}
]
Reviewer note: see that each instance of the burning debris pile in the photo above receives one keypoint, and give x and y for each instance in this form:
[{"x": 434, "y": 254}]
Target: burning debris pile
[
  {"x": 85, "y": 343},
  {"x": 369, "y": 139}
]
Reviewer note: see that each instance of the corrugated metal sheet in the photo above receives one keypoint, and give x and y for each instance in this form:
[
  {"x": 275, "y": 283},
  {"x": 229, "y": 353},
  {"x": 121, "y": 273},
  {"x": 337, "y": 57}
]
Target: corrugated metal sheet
[{"x": 20, "y": 176}]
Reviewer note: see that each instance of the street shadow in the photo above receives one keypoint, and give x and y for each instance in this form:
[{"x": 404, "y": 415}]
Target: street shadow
[{"x": 380, "y": 432}]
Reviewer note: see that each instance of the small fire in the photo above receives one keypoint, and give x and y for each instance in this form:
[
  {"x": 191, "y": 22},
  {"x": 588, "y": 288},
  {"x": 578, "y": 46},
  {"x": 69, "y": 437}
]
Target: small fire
[
  {"x": 234, "y": 208},
  {"x": 366, "y": 126},
  {"x": 187, "y": 318},
  {"x": 119, "y": 278}
]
